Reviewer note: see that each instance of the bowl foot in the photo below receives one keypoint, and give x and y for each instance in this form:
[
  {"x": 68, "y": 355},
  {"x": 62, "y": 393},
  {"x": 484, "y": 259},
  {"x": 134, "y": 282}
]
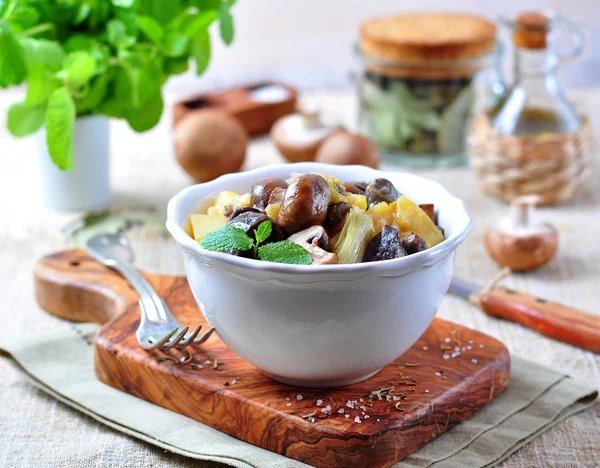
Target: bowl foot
[{"x": 318, "y": 383}]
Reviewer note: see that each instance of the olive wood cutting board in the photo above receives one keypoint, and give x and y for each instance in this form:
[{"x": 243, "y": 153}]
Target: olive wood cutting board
[{"x": 448, "y": 375}]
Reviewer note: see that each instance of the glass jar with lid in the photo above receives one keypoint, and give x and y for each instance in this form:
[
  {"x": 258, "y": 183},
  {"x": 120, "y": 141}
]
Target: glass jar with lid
[{"x": 421, "y": 78}]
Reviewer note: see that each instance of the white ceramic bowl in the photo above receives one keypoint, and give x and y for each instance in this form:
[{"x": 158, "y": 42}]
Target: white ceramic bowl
[{"x": 325, "y": 325}]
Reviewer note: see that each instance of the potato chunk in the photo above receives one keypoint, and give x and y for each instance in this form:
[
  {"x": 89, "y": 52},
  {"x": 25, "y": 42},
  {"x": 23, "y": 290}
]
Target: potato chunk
[
  {"x": 412, "y": 218},
  {"x": 202, "y": 224}
]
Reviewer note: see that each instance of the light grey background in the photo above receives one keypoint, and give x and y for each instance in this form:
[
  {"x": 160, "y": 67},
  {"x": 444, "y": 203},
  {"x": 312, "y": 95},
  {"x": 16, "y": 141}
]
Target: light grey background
[{"x": 309, "y": 42}]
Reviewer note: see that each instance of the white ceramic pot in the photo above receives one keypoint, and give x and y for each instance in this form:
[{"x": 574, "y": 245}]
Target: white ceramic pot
[
  {"x": 321, "y": 325},
  {"x": 86, "y": 186}
]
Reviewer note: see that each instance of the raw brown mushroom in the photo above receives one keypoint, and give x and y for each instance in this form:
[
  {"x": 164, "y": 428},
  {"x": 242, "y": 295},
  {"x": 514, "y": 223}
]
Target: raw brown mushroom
[
  {"x": 315, "y": 240},
  {"x": 210, "y": 143},
  {"x": 305, "y": 203},
  {"x": 298, "y": 136},
  {"x": 348, "y": 148},
  {"x": 520, "y": 243}
]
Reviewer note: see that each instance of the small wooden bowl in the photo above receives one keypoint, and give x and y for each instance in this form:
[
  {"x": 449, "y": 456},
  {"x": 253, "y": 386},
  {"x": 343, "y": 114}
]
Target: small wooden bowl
[{"x": 256, "y": 116}]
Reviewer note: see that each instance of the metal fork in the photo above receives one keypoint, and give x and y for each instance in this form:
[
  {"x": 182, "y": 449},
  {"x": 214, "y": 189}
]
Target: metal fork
[{"x": 158, "y": 328}]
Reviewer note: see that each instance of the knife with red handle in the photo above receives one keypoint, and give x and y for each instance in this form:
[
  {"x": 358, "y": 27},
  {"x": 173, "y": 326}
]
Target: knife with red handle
[{"x": 557, "y": 321}]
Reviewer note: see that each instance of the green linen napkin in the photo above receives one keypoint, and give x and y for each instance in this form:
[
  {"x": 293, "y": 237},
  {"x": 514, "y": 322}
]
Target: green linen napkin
[{"x": 61, "y": 364}]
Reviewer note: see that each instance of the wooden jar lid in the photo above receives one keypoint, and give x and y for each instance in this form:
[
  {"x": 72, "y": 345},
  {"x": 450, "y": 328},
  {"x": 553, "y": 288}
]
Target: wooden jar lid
[
  {"x": 531, "y": 30},
  {"x": 419, "y": 38}
]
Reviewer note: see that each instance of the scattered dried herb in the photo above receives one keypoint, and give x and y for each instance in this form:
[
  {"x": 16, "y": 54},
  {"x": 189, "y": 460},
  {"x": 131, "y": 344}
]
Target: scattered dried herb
[
  {"x": 306, "y": 416},
  {"x": 167, "y": 358},
  {"x": 412, "y": 364},
  {"x": 184, "y": 360}
]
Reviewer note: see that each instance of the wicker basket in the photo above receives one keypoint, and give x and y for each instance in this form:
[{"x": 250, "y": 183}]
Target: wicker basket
[{"x": 554, "y": 167}]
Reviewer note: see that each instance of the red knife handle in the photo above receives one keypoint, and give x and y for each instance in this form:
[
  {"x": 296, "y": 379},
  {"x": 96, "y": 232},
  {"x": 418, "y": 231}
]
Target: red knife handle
[{"x": 548, "y": 318}]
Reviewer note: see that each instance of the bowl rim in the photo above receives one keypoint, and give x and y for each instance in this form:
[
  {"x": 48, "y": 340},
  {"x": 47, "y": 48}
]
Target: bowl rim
[{"x": 394, "y": 267}]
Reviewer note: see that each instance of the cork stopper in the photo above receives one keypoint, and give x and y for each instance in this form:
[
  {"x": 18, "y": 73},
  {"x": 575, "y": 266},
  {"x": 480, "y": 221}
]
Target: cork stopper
[
  {"x": 425, "y": 39},
  {"x": 531, "y": 30}
]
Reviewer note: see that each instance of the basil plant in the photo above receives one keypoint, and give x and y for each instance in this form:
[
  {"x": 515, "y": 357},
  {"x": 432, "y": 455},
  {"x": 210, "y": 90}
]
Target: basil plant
[{"x": 107, "y": 57}]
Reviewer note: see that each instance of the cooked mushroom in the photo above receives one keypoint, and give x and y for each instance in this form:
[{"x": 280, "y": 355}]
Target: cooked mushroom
[
  {"x": 356, "y": 187},
  {"x": 305, "y": 203},
  {"x": 261, "y": 192},
  {"x": 336, "y": 216},
  {"x": 384, "y": 246},
  {"x": 412, "y": 243},
  {"x": 239, "y": 211},
  {"x": 381, "y": 190},
  {"x": 276, "y": 195},
  {"x": 316, "y": 242}
]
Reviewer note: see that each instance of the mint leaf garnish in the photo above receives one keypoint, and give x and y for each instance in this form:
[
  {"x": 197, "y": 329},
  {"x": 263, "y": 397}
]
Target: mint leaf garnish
[
  {"x": 263, "y": 232},
  {"x": 227, "y": 238},
  {"x": 284, "y": 252},
  {"x": 23, "y": 120}
]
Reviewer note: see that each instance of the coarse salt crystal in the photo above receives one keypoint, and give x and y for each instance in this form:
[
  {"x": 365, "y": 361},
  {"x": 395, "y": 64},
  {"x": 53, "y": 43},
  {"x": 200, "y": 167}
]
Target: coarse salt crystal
[
  {"x": 367, "y": 416},
  {"x": 350, "y": 404},
  {"x": 447, "y": 340},
  {"x": 357, "y": 420},
  {"x": 299, "y": 397},
  {"x": 208, "y": 361},
  {"x": 481, "y": 346},
  {"x": 378, "y": 420},
  {"x": 454, "y": 355},
  {"x": 361, "y": 400},
  {"x": 347, "y": 416},
  {"x": 288, "y": 404},
  {"x": 287, "y": 399},
  {"x": 319, "y": 402},
  {"x": 446, "y": 357},
  {"x": 234, "y": 381},
  {"x": 425, "y": 348},
  {"x": 341, "y": 411},
  {"x": 469, "y": 347},
  {"x": 457, "y": 349},
  {"x": 426, "y": 391},
  {"x": 470, "y": 341},
  {"x": 327, "y": 409},
  {"x": 438, "y": 373},
  {"x": 312, "y": 419},
  {"x": 396, "y": 398},
  {"x": 474, "y": 361}
]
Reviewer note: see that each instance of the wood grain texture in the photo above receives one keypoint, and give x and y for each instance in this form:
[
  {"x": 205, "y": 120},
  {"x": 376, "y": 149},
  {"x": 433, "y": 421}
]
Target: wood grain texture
[
  {"x": 433, "y": 390},
  {"x": 256, "y": 117},
  {"x": 557, "y": 321}
]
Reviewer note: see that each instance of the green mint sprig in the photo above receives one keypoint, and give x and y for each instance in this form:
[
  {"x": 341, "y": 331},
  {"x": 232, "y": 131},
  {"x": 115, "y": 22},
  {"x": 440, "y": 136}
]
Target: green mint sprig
[
  {"x": 107, "y": 57},
  {"x": 233, "y": 238}
]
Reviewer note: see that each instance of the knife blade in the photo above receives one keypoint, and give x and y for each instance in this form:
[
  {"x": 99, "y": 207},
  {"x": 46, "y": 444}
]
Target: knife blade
[{"x": 549, "y": 318}]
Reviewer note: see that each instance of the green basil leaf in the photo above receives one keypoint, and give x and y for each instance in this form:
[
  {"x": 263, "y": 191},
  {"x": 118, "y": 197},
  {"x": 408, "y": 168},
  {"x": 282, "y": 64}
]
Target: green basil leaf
[
  {"x": 226, "y": 24},
  {"x": 25, "y": 16},
  {"x": 82, "y": 13},
  {"x": 39, "y": 89},
  {"x": 23, "y": 120},
  {"x": 79, "y": 42},
  {"x": 60, "y": 122},
  {"x": 225, "y": 238},
  {"x": 111, "y": 107},
  {"x": 150, "y": 28},
  {"x": 12, "y": 61},
  {"x": 94, "y": 96},
  {"x": 41, "y": 55},
  {"x": 162, "y": 11},
  {"x": 192, "y": 24},
  {"x": 201, "y": 51},
  {"x": 116, "y": 31},
  {"x": 123, "y": 3},
  {"x": 284, "y": 252},
  {"x": 175, "y": 45},
  {"x": 147, "y": 115},
  {"x": 79, "y": 68},
  {"x": 175, "y": 66}
]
